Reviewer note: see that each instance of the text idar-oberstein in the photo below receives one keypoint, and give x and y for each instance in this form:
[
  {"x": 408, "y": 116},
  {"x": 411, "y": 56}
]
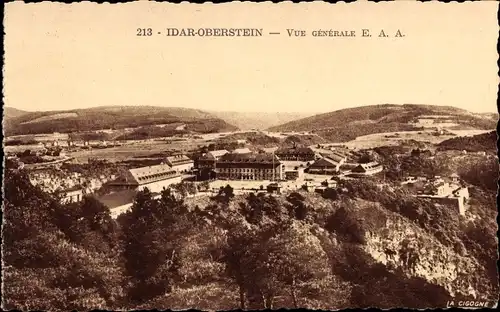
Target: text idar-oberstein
[{"x": 215, "y": 32}]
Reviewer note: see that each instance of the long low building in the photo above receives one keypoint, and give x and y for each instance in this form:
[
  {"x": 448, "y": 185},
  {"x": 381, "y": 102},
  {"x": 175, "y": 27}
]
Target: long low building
[
  {"x": 180, "y": 163},
  {"x": 329, "y": 164},
  {"x": 71, "y": 195},
  {"x": 366, "y": 169},
  {"x": 251, "y": 166},
  {"x": 295, "y": 153},
  {"x": 155, "y": 178}
]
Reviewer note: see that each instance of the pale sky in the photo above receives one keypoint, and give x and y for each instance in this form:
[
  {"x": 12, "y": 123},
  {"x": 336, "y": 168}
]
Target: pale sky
[{"x": 61, "y": 56}]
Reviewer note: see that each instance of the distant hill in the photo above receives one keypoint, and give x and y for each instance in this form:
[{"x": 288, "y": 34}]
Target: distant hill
[
  {"x": 347, "y": 124},
  {"x": 113, "y": 117},
  {"x": 258, "y": 120},
  {"x": 256, "y": 138},
  {"x": 493, "y": 116},
  {"x": 478, "y": 143},
  {"x": 11, "y": 112}
]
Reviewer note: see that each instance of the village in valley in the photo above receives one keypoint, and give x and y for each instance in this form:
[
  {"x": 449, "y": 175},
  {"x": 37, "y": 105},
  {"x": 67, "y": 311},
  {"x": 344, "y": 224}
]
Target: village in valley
[
  {"x": 258, "y": 161},
  {"x": 350, "y": 181},
  {"x": 283, "y": 168}
]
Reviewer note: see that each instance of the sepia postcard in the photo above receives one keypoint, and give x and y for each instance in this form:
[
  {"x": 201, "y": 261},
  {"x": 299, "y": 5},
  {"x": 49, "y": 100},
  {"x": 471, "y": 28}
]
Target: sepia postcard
[{"x": 250, "y": 156}]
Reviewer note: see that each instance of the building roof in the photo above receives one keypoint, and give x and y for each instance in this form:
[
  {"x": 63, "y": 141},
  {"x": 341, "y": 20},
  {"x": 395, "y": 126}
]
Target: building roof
[
  {"x": 145, "y": 175},
  {"x": 206, "y": 156},
  {"x": 213, "y": 155},
  {"x": 242, "y": 150},
  {"x": 342, "y": 151},
  {"x": 74, "y": 189},
  {"x": 295, "y": 150},
  {"x": 217, "y": 153},
  {"x": 178, "y": 160},
  {"x": 118, "y": 199},
  {"x": 368, "y": 166},
  {"x": 269, "y": 149},
  {"x": 336, "y": 158},
  {"x": 324, "y": 162},
  {"x": 257, "y": 158}
]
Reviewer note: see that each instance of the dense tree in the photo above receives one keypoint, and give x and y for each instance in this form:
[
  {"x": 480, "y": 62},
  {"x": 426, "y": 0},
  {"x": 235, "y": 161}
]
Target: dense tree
[
  {"x": 298, "y": 208},
  {"x": 345, "y": 224},
  {"x": 482, "y": 172},
  {"x": 262, "y": 205},
  {"x": 331, "y": 193},
  {"x": 185, "y": 188},
  {"x": 154, "y": 227},
  {"x": 477, "y": 143},
  {"x": 225, "y": 194},
  {"x": 238, "y": 249},
  {"x": 293, "y": 257},
  {"x": 44, "y": 270}
]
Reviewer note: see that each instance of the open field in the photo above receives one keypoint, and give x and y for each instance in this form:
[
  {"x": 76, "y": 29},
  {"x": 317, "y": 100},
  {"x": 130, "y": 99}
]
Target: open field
[
  {"x": 469, "y": 132},
  {"x": 21, "y": 148},
  {"x": 283, "y": 135},
  {"x": 395, "y": 138},
  {"x": 213, "y": 136},
  {"x": 137, "y": 149},
  {"x": 40, "y": 137}
]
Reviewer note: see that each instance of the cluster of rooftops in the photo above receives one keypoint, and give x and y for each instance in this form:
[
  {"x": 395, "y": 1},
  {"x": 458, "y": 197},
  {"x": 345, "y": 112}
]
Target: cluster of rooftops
[{"x": 138, "y": 176}]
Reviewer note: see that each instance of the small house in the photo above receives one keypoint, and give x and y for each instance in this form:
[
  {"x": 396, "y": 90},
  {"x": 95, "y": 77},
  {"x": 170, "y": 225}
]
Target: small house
[
  {"x": 274, "y": 188},
  {"x": 71, "y": 195}
]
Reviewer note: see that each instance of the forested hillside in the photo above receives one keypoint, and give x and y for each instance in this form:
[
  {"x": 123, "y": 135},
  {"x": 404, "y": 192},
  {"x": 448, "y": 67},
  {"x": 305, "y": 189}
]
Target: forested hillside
[
  {"x": 347, "y": 124},
  {"x": 118, "y": 117},
  {"x": 477, "y": 143},
  {"x": 360, "y": 245}
]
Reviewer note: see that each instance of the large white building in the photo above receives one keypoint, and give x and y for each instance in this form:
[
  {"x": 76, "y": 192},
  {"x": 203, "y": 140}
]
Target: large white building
[{"x": 250, "y": 167}]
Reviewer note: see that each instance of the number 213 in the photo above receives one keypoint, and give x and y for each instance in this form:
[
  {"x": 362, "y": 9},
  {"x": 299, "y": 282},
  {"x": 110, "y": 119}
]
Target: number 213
[{"x": 144, "y": 31}]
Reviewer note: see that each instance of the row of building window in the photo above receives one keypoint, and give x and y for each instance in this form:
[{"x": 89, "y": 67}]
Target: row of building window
[
  {"x": 246, "y": 170},
  {"x": 181, "y": 162},
  {"x": 247, "y": 177},
  {"x": 157, "y": 176}
]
